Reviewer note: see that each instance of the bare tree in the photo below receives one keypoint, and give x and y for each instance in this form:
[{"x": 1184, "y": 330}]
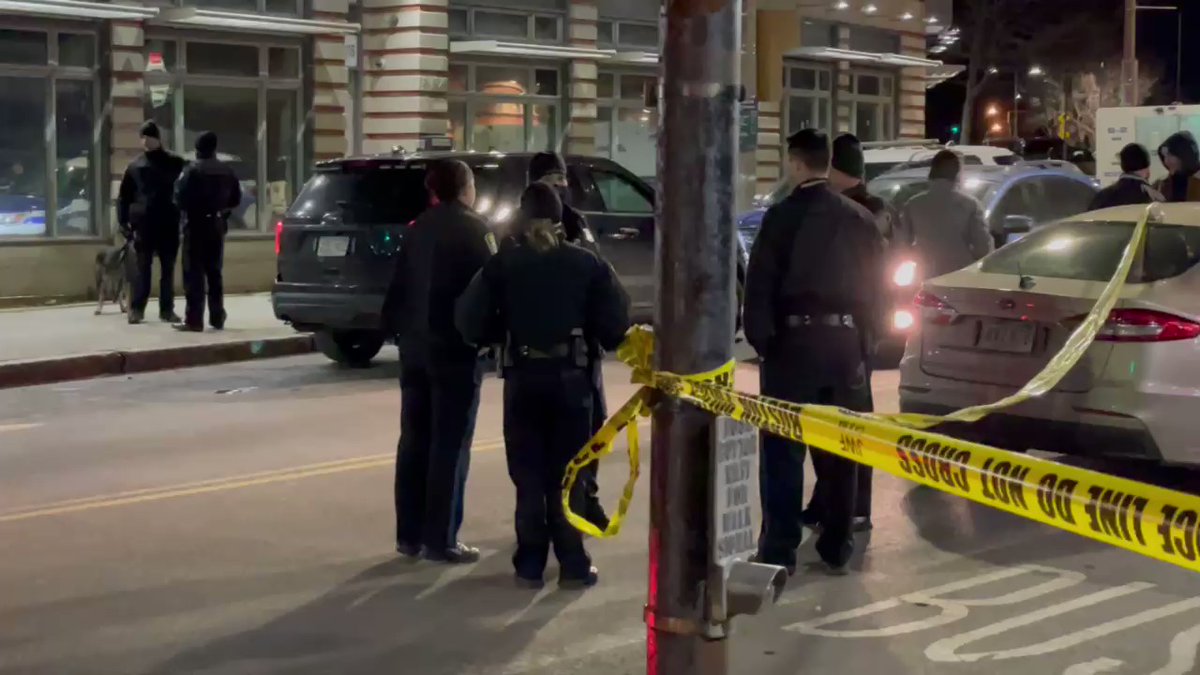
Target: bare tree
[
  {"x": 1008, "y": 36},
  {"x": 1100, "y": 87}
]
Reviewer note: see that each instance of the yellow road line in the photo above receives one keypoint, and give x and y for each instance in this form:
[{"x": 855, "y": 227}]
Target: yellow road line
[{"x": 215, "y": 485}]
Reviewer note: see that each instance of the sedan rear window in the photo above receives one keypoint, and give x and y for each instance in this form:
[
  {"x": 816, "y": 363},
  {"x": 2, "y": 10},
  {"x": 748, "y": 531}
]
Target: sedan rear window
[{"x": 1090, "y": 251}]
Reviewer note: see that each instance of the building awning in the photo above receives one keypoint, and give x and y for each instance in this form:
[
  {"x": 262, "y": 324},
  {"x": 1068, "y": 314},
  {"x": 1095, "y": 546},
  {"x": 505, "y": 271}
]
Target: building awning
[
  {"x": 835, "y": 54},
  {"x": 76, "y": 9},
  {"x": 938, "y": 75},
  {"x": 535, "y": 51},
  {"x": 648, "y": 58},
  {"x": 191, "y": 17}
]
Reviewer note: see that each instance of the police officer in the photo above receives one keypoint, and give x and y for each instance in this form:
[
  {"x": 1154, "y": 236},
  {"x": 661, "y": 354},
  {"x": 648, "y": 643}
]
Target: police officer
[
  {"x": 440, "y": 373},
  {"x": 846, "y": 173},
  {"x": 550, "y": 169},
  {"x": 813, "y": 284},
  {"x": 546, "y": 298},
  {"x": 205, "y": 193},
  {"x": 147, "y": 214}
]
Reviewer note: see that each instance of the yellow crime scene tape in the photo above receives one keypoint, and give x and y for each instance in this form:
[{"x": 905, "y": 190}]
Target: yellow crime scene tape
[{"x": 1155, "y": 522}]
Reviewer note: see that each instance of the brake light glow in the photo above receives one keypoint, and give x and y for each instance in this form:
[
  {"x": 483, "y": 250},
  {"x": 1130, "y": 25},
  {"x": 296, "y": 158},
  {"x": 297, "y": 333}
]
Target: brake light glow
[
  {"x": 278, "y": 237},
  {"x": 903, "y": 319},
  {"x": 1146, "y": 325},
  {"x": 906, "y": 274},
  {"x": 934, "y": 310}
]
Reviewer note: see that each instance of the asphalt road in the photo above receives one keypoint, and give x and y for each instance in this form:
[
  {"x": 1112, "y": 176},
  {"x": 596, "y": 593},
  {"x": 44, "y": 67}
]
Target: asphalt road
[{"x": 238, "y": 519}]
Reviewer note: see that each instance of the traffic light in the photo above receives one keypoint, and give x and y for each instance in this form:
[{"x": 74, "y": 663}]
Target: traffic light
[{"x": 954, "y": 129}]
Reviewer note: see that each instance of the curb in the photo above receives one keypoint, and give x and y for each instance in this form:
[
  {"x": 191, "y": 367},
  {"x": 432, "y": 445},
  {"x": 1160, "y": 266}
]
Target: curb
[{"x": 99, "y": 364}]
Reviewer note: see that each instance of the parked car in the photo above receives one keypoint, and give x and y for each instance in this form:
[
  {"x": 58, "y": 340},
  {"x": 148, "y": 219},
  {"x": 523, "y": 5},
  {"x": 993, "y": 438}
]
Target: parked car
[
  {"x": 881, "y": 159},
  {"x": 1015, "y": 198},
  {"x": 337, "y": 243},
  {"x": 986, "y": 330}
]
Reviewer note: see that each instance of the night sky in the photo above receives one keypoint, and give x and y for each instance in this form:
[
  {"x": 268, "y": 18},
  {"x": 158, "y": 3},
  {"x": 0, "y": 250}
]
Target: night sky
[{"x": 1156, "y": 41}]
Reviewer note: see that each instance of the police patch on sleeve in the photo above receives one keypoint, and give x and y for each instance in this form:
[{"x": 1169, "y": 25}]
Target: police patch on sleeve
[
  {"x": 491, "y": 242},
  {"x": 587, "y": 234}
]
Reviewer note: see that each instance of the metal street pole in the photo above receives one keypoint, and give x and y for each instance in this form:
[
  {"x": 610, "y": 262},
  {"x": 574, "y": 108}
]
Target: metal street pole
[
  {"x": 695, "y": 318},
  {"x": 1129, "y": 65}
]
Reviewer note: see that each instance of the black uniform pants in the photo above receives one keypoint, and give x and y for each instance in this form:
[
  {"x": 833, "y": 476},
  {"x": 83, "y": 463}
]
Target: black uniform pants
[
  {"x": 862, "y": 508},
  {"x": 821, "y": 365},
  {"x": 438, "y": 404},
  {"x": 593, "y": 510},
  {"x": 164, "y": 246},
  {"x": 547, "y": 419},
  {"x": 203, "y": 260}
]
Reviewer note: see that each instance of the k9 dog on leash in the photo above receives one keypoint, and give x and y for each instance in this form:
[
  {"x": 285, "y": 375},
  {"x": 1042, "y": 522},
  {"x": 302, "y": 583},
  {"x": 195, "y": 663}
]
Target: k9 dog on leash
[{"x": 116, "y": 272}]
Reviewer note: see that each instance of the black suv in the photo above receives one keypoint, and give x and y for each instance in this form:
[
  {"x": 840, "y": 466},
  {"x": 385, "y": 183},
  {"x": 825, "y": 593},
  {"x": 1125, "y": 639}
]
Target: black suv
[{"x": 337, "y": 242}]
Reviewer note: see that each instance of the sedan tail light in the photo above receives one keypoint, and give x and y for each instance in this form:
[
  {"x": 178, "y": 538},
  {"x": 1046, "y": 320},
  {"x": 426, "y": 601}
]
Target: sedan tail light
[
  {"x": 1146, "y": 325},
  {"x": 278, "y": 238},
  {"x": 905, "y": 274},
  {"x": 934, "y": 309}
]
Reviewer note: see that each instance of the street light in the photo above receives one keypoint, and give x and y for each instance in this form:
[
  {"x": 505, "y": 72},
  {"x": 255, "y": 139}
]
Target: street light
[
  {"x": 843, "y": 5},
  {"x": 996, "y": 128},
  {"x": 1036, "y": 71},
  {"x": 870, "y": 9},
  {"x": 992, "y": 110}
]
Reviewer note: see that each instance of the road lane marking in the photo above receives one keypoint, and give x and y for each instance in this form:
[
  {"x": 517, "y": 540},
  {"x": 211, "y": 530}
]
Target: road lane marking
[
  {"x": 1183, "y": 653},
  {"x": 219, "y": 484},
  {"x": 20, "y": 426},
  {"x": 216, "y": 485},
  {"x": 1103, "y": 665}
]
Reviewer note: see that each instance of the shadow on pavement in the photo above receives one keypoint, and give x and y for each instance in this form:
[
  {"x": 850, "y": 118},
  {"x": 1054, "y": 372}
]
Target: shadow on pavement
[{"x": 384, "y": 621}]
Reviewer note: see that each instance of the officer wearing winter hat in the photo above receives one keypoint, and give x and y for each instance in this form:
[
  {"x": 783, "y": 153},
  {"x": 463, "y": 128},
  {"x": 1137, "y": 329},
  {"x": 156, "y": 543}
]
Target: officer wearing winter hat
[
  {"x": 548, "y": 168},
  {"x": 147, "y": 214}
]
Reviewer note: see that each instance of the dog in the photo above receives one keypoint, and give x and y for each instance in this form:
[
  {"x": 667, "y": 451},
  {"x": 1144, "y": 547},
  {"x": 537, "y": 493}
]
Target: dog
[{"x": 116, "y": 269}]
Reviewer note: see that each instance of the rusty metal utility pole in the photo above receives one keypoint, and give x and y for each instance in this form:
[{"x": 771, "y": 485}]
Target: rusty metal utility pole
[{"x": 695, "y": 321}]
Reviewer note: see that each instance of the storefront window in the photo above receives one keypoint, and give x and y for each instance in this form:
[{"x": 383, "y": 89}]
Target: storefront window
[
  {"x": 626, "y": 130},
  {"x": 255, "y": 117},
  {"x": 232, "y": 114},
  {"x": 285, "y": 7},
  {"x": 214, "y": 58},
  {"x": 48, "y": 138},
  {"x": 508, "y": 108},
  {"x": 872, "y": 105},
  {"x": 808, "y": 98},
  {"x": 23, "y": 48},
  {"x": 508, "y": 23},
  {"x": 22, "y": 158},
  {"x": 74, "y": 105},
  {"x": 283, "y": 165}
]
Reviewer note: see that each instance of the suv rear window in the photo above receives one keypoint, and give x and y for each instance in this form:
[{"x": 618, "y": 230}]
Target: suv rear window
[
  {"x": 374, "y": 193},
  {"x": 1090, "y": 251},
  {"x": 366, "y": 194}
]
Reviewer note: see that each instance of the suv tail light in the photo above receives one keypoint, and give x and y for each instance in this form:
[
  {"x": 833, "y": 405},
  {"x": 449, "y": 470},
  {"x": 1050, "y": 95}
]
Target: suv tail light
[
  {"x": 1146, "y": 325},
  {"x": 278, "y": 237},
  {"x": 934, "y": 309}
]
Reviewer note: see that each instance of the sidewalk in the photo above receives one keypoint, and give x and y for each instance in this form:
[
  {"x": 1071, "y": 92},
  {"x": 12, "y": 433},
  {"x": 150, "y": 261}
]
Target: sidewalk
[{"x": 40, "y": 345}]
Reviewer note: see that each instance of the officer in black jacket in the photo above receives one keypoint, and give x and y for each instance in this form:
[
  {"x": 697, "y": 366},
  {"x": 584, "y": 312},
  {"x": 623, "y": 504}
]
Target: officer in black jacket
[
  {"x": 545, "y": 299},
  {"x": 147, "y": 214},
  {"x": 440, "y": 373},
  {"x": 846, "y": 173},
  {"x": 1133, "y": 187},
  {"x": 550, "y": 169},
  {"x": 813, "y": 284},
  {"x": 205, "y": 193}
]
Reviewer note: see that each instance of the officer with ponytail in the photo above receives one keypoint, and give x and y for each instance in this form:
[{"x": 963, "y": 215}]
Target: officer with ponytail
[{"x": 545, "y": 299}]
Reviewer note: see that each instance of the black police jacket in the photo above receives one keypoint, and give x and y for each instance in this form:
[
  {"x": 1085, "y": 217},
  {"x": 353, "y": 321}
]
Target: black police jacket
[
  {"x": 440, "y": 254},
  {"x": 145, "y": 202},
  {"x": 817, "y": 252},
  {"x": 207, "y": 191},
  {"x": 1127, "y": 190},
  {"x": 537, "y": 298},
  {"x": 575, "y": 227},
  {"x": 887, "y": 219}
]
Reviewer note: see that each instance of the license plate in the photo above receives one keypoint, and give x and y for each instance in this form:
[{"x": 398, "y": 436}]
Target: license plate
[
  {"x": 1016, "y": 337},
  {"x": 333, "y": 247}
]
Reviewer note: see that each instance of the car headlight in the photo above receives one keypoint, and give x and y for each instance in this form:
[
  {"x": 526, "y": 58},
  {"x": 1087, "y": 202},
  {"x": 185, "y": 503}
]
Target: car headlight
[{"x": 906, "y": 274}]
